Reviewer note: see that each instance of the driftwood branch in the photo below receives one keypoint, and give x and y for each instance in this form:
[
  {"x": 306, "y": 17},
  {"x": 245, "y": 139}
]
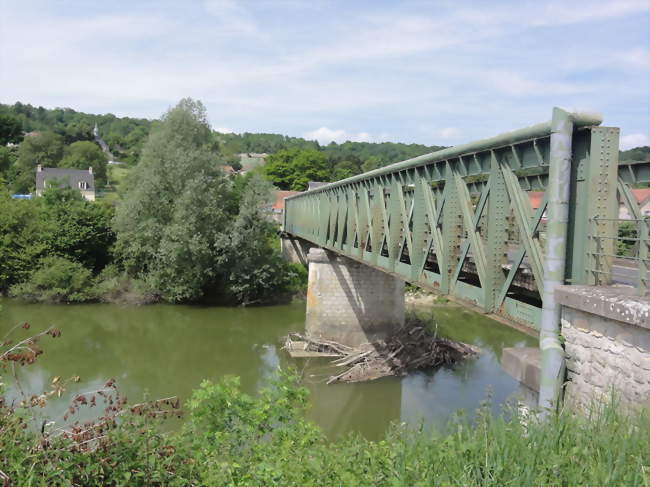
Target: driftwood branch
[{"x": 412, "y": 347}]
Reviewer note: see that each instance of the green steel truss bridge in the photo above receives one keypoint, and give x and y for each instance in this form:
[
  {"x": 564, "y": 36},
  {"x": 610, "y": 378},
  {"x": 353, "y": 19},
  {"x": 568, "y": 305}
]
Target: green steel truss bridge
[{"x": 460, "y": 222}]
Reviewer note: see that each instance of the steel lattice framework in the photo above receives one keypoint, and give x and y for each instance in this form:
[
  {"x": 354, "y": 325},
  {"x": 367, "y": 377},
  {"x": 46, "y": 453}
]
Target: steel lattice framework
[{"x": 444, "y": 221}]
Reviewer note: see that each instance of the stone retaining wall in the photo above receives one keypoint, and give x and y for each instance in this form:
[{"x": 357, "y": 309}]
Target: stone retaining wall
[{"x": 607, "y": 343}]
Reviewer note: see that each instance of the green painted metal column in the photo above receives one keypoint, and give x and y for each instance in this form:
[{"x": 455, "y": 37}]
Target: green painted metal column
[
  {"x": 497, "y": 234},
  {"x": 452, "y": 224}
]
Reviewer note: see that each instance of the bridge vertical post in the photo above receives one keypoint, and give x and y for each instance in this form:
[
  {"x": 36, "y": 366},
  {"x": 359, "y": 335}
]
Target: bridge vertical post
[
  {"x": 593, "y": 204},
  {"x": 497, "y": 234},
  {"x": 452, "y": 224}
]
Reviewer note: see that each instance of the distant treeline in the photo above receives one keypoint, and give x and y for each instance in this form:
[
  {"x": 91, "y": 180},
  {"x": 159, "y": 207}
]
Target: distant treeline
[
  {"x": 124, "y": 135},
  {"x": 381, "y": 153},
  {"x": 296, "y": 159},
  {"x": 636, "y": 154}
]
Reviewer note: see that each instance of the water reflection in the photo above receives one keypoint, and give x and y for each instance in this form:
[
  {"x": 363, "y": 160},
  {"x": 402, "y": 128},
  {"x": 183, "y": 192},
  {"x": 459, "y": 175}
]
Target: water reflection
[{"x": 168, "y": 350}]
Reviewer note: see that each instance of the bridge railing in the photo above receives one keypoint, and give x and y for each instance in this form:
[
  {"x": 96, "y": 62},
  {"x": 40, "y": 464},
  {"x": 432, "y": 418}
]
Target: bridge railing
[
  {"x": 444, "y": 221},
  {"x": 628, "y": 265}
]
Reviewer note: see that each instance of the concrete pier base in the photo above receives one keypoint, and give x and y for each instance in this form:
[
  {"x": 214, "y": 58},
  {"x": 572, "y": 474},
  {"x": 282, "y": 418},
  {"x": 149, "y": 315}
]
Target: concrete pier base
[
  {"x": 295, "y": 249},
  {"x": 350, "y": 302}
]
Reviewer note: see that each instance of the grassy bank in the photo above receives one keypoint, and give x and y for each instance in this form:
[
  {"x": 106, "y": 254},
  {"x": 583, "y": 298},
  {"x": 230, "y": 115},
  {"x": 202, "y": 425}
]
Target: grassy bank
[{"x": 231, "y": 438}]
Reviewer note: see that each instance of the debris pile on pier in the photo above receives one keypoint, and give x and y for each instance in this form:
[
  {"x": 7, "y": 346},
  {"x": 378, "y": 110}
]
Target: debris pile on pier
[{"x": 410, "y": 348}]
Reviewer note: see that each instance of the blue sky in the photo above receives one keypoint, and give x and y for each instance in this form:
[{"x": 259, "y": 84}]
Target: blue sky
[{"x": 432, "y": 72}]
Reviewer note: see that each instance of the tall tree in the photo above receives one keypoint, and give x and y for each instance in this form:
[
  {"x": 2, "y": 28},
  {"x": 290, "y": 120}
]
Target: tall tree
[
  {"x": 170, "y": 225},
  {"x": 11, "y": 130},
  {"x": 255, "y": 269},
  {"x": 85, "y": 154},
  {"x": 45, "y": 149}
]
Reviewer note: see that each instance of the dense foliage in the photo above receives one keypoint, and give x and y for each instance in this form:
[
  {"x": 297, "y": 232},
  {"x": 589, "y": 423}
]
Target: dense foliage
[
  {"x": 60, "y": 128},
  {"x": 177, "y": 229},
  {"x": 61, "y": 224},
  {"x": 56, "y": 280},
  {"x": 124, "y": 135},
  {"x": 293, "y": 168},
  {"x": 183, "y": 231}
]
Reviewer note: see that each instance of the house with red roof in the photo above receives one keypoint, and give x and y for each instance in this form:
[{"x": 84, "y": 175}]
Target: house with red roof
[
  {"x": 277, "y": 210},
  {"x": 642, "y": 196}
]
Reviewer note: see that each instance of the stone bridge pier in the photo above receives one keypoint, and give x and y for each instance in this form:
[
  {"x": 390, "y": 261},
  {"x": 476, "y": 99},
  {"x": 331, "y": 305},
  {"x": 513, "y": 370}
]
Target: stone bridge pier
[{"x": 350, "y": 302}]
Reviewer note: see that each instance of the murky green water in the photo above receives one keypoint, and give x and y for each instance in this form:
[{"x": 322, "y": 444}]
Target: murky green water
[{"x": 168, "y": 349}]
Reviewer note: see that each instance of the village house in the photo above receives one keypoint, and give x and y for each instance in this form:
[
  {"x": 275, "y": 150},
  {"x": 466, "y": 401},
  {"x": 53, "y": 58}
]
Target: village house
[
  {"x": 277, "y": 210},
  {"x": 80, "y": 179},
  {"x": 642, "y": 196}
]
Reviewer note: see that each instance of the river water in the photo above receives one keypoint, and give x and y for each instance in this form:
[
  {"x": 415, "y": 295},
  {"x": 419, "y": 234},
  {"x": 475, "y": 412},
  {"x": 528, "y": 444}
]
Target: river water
[{"x": 165, "y": 350}]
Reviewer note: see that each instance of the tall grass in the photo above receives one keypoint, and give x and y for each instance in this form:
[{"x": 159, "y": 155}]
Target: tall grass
[{"x": 231, "y": 438}]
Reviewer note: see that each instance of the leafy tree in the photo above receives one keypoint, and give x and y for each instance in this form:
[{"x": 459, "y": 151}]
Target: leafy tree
[
  {"x": 11, "y": 130},
  {"x": 85, "y": 154},
  {"x": 294, "y": 168},
  {"x": 60, "y": 224},
  {"x": 8, "y": 156},
  {"x": 257, "y": 273},
  {"x": 373, "y": 162},
  {"x": 21, "y": 245},
  {"x": 77, "y": 229},
  {"x": 171, "y": 222},
  {"x": 45, "y": 148}
]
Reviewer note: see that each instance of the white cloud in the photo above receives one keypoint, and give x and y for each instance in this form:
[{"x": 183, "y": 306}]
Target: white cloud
[
  {"x": 515, "y": 84},
  {"x": 326, "y": 135},
  {"x": 287, "y": 68},
  {"x": 637, "y": 57},
  {"x": 231, "y": 16},
  {"x": 448, "y": 133},
  {"x": 223, "y": 130},
  {"x": 562, "y": 12},
  {"x": 634, "y": 140}
]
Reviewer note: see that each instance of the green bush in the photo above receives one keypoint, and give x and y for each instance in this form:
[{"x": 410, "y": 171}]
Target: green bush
[
  {"x": 233, "y": 439},
  {"x": 115, "y": 286},
  {"x": 60, "y": 223},
  {"x": 57, "y": 280}
]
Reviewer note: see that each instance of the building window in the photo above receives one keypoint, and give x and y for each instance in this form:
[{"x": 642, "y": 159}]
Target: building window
[{"x": 83, "y": 185}]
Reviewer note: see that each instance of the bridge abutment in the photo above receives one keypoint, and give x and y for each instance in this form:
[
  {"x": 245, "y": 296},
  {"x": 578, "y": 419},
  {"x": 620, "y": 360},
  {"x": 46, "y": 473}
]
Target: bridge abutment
[
  {"x": 606, "y": 334},
  {"x": 349, "y": 302}
]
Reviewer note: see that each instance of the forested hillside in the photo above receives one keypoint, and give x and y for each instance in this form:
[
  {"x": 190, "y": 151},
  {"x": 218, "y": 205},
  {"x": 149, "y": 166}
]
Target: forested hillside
[
  {"x": 63, "y": 137},
  {"x": 124, "y": 135},
  {"x": 636, "y": 154}
]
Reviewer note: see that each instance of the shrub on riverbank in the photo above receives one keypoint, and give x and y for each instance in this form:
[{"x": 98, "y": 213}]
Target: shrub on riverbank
[
  {"x": 231, "y": 438},
  {"x": 56, "y": 280},
  {"x": 60, "y": 224},
  {"x": 115, "y": 286}
]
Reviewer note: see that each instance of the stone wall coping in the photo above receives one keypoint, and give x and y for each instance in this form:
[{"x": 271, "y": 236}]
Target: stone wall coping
[{"x": 613, "y": 302}]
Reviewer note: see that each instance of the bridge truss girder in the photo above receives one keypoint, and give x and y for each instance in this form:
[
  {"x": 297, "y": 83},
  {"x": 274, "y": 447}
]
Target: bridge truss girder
[{"x": 442, "y": 221}]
